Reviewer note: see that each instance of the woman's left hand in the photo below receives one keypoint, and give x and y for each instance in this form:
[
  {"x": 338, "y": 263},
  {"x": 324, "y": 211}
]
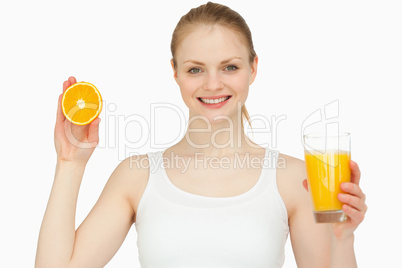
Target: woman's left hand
[{"x": 354, "y": 204}]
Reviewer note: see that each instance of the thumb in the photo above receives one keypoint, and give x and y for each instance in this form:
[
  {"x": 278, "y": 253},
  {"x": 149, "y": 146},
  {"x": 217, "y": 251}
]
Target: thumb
[
  {"x": 93, "y": 136},
  {"x": 305, "y": 185}
]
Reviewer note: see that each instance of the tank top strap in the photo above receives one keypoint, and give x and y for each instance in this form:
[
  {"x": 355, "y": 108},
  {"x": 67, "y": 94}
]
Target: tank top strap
[{"x": 154, "y": 159}]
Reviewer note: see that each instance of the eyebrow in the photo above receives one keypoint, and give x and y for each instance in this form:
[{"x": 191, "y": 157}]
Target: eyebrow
[{"x": 222, "y": 62}]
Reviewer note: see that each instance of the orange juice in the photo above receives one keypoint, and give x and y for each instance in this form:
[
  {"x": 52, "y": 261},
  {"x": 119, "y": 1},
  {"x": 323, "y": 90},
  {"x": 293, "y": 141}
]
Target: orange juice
[{"x": 325, "y": 172}]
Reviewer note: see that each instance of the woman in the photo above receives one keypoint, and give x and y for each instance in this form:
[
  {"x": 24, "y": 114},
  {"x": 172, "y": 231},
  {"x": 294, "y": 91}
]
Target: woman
[{"x": 216, "y": 212}]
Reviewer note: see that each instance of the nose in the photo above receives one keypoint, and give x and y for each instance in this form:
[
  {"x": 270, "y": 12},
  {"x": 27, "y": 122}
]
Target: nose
[{"x": 213, "y": 81}]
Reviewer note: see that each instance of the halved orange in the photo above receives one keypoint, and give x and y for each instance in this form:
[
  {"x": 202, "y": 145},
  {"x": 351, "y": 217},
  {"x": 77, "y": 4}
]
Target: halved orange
[{"x": 81, "y": 103}]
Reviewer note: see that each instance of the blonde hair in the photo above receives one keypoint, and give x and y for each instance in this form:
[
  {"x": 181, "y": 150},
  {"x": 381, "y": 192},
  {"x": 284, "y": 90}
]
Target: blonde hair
[{"x": 212, "y": 14}]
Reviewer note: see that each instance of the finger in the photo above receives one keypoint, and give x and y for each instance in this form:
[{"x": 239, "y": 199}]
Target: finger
[
  {"x": 353, "y": 201},
  {"x": 93, "y": 135},
  {"x": 60, "y": 116},
  {"x": 66, "y": 84},
  {"x": 305, "y": 185},
  {"x": 75, "y": 134},
  {"x": 356, "y": 217},
  {"x": 355, "y": 172},
  {"x": 72, "y": 80},
  {"x": 353, "y": 189}
]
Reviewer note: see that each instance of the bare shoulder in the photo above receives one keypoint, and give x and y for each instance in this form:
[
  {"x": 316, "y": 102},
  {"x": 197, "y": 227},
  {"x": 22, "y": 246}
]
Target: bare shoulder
[
  {"x": 132, "y": 175},
  {"x": 137, "y": 165},
  {"x": 291, "y": 172},
  {"x": 290, "y": 166}
]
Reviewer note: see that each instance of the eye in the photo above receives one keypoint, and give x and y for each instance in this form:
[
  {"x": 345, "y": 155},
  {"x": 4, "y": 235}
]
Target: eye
[
  {"x": 231, "y": 68},
  {"x": 194, "y": 71}
]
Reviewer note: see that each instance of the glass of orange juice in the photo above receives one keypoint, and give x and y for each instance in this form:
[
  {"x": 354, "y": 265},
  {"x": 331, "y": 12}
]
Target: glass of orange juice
[{"x": 327, "y": 159}]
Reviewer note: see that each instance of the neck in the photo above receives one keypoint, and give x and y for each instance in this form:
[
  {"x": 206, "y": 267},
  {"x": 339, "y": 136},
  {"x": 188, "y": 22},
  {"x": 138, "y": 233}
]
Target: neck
[{"x": 216, "y": 137}]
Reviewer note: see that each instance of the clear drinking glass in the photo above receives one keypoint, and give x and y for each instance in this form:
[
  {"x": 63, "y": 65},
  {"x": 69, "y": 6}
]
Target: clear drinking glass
[{"x": 327, "y": 159}]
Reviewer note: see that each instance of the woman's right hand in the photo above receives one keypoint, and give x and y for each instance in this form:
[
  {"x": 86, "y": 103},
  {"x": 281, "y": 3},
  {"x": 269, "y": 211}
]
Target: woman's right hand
[{"x": 74, "y": 143}]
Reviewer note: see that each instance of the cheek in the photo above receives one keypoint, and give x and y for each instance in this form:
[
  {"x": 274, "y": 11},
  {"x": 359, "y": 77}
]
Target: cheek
[
  {"x": 185, "y": 88},
  {"x": 189, "y": 86},
  {"x": 240, "y": 83}
]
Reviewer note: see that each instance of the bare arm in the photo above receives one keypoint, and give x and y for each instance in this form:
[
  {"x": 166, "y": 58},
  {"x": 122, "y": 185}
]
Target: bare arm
[
  {"x": 57, "y": 233},
  {"x": 103, "y": 231}
]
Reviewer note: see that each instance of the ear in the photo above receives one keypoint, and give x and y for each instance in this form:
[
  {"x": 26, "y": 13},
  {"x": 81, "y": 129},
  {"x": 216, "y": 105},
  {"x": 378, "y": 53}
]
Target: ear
[
  {"x": 174, "y": 70},
  {"x": 253, "y": 72}
]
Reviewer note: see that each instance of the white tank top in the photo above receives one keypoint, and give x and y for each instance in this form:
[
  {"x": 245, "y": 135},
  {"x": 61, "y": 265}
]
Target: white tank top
[{"x": 178, "y": 229}]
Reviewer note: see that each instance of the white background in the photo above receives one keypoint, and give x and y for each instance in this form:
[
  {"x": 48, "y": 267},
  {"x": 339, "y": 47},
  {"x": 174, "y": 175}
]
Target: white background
[{"x": 311, "y": 53}]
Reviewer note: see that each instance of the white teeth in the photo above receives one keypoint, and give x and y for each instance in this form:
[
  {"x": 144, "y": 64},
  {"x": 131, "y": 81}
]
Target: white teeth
[{"x": 209, "y": 101}]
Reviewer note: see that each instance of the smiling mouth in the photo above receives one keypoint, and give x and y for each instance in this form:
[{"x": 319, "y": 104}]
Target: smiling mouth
[{"x": 214, "y": 101}]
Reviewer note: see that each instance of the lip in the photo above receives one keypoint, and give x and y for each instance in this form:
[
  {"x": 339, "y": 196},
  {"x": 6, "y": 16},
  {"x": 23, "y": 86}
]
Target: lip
[
  {"x": 215, "y": 105},
  {"x": 215, "y": 97}
]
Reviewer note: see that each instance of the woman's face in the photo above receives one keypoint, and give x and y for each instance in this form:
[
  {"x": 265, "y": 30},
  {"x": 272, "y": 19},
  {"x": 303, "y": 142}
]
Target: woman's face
[{"x": 212, "y": 62}]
